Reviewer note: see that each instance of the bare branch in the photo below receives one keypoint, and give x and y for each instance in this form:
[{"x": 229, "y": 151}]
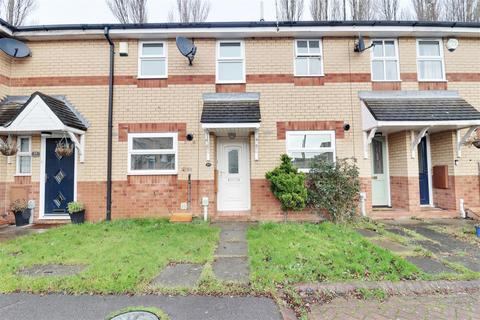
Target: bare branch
[
  {"x": 427, "y": 10},
  {"x": 388, "y": 9},
  {"x": 129, "y": 11},
  {"x": 17, "y": 11},
  {"x": 319, "y": 10},
  {"x": 190, "y": 11},
  {"x": 362, "y": 9},
  {"x": 462, "y": 10},
  {"x": 291, "y": 10}
]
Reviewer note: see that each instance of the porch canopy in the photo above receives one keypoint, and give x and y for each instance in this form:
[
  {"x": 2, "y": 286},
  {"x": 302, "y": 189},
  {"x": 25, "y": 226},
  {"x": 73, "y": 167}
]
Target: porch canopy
[
  {"x": 419, "y": 112},
  {"x": 231, "y": 115},
  {"x": 41, "y": 113}
]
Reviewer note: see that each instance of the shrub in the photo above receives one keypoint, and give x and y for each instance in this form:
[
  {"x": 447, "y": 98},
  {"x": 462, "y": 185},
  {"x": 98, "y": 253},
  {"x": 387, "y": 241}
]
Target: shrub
[
  {"x": 288, "y": 186},
  {"x": 334, "y": 187},
  {"x": 75, "y": 206}
]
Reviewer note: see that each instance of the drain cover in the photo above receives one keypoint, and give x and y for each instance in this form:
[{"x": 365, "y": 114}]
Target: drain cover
[{"x": 136, "y": 315}]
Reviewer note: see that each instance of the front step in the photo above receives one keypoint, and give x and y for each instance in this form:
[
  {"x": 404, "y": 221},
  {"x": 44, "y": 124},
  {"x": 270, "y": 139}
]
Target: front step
[{"x": 181, "y": 217}]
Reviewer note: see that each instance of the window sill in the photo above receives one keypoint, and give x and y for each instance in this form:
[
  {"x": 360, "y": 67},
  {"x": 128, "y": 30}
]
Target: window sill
[
  {"x": 151, "y": 77},
  {"x": 387, "y": 81},
  {"x": 432, "y": 80},
  {"x": 156, "y": 173},
  {"x": 235, "y": 82},
  {"x": 309, "y": 76},
  {"x": 55, "y": 217},
  {"x": 22, "y": 175}
]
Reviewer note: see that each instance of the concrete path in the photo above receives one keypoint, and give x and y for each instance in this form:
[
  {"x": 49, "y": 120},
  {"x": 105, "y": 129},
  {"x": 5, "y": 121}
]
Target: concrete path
[
  {"x": 61, "y": 307},
  {"x": 11, "y": 232},
  {"x": 438, "y": 307},
  {"x": 231, "y": 256}
]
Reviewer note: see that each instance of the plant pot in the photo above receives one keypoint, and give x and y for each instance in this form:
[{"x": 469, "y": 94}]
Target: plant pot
[
  {"x": 78, "y": 217},
  {"x": 477, "y": 231},
  {"x": 22, "y": 218}
]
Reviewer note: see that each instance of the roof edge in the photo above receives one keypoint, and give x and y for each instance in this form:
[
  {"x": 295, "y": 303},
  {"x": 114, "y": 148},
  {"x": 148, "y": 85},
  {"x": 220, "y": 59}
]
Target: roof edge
[
  {"x": 409, "y": 94},
  {"x": 220, "y": 97}
]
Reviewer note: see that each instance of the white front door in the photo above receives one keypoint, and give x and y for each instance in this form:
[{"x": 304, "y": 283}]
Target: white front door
[
  {"x": 233, "y": 175},
  {"x": 380, "y": 196}
]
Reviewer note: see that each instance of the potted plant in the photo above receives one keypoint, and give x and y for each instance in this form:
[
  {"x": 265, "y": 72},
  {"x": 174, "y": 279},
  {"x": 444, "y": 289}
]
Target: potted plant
[
  {"x": 77, "y": 212},
  {"x": 21, "y": 211}
]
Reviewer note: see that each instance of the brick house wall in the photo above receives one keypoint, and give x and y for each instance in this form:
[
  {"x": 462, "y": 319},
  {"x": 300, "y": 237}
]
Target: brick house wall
[{"x": 78, "y": 69}]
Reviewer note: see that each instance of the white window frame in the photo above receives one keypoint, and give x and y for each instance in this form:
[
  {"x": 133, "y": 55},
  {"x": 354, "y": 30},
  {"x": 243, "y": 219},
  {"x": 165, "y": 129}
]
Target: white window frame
[
  {"x": 23, "y": 154},
  {"x": 384, "y": 59},
  {"x": 131, "y": 152},
  {"x": 152, "y": 58},
  {"x": 230, "y": 59},
  {"x": 332, "y": 148},
  {"x": 296, "y": 55},
  {"x": 431, "y": 58}
]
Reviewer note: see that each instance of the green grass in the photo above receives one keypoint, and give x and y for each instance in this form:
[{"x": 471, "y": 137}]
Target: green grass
[
  {"x": 284, "y": 254},
  {"x": 121, "y": 257}
]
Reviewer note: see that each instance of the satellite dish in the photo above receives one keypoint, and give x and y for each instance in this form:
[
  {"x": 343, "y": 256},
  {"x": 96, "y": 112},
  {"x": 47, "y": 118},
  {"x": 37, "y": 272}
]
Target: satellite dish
[
  {"x": 186, "y": 48},
  {"x": 14, "y": 48},
  {"x": 360, "y": 45}
]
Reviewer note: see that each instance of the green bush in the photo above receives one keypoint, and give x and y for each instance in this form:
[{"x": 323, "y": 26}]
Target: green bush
[
  {"x": 334, "y": 187},
  {"x": 288, "y": 186},
  {"x": 75, "y": 206}
]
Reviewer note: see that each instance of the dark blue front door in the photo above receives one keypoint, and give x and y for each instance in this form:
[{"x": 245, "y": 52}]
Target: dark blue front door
[
  {"x": 423, "y": 172},
  {"x": 59, "y": 179}
]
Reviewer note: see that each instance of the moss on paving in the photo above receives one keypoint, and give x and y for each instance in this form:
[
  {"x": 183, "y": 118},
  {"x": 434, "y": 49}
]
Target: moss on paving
[
  {"x": 121, "y": 256},
  {"x": 283, "y": 254}
]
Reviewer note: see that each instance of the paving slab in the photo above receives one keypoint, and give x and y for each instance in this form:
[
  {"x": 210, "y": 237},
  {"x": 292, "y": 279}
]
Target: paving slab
[
  {"x": 430, "y": 246},
  {"x": 12, "y": 232},
  {"x": 232, "y": 269},
  {"x": 392, "y": 246},
  {"x": 96, "y": 307},
  {"x": 398, "y": 231},
  {"x": 447, "y": 241},
  {"x": 233, "y": 235},
  {"x": 232, "y": 249},
  {"x": 179, "y": 275},
  {"x": 468, "y": 262},
  {"x": 367, "y": 233},
  {"x": 52, "y": 270},
  {"x": 429, "y": 265}
]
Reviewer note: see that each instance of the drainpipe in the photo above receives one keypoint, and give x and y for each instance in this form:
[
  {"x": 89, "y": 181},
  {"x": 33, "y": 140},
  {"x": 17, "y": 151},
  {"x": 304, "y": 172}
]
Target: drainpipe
[
  {"x": 110, "y": 125},
  {"x": 463, "y": 213}
]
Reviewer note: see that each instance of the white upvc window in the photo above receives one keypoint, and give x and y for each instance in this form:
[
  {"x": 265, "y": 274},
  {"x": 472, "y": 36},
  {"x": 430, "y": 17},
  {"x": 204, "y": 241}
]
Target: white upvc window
[
  {"x": 304, "y": 146},
  {"x": 385, "y": 62},
  {"x": 152, "y": 153},
  {"x": 24, "y": 156},
  {"x": 308, "y": 57},
  {"x": 152, "y": 59},
  {"x": 430, "y": 63},
  {"x": 230, "y": 61}
]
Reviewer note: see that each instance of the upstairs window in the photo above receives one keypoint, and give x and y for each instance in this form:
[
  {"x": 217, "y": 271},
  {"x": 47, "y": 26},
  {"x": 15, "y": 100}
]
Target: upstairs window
[
  {"x": 385, "y": 61},
  {"x": 152, "y": 153},
  {"x": 430, "y": 60},
  {"x": 308, "y": 58},
  {"x": 152, "y": 60},
  {"x": 230, "y": 62},
  {"x": 24, "y": 156},
  {"x": 304, "y": 146}
]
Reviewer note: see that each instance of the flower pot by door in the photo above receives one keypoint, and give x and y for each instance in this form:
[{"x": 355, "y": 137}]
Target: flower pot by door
[
  {"x": 22, "y": 218},
  {"x": 77, "y": 217}
]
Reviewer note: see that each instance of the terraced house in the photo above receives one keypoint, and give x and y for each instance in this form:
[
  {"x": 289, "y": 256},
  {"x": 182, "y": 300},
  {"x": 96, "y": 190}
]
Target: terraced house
[{"x": 188, "y": 137}]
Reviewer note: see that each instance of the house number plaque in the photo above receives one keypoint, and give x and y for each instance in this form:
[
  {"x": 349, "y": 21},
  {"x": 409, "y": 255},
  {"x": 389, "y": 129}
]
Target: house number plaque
[{"x": 35, "y": 154}]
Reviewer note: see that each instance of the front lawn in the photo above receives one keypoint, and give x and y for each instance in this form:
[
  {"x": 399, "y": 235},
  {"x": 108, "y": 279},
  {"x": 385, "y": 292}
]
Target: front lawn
[
  {"x": 284, "y": 254},
  {"x": 121, "y": 256}
]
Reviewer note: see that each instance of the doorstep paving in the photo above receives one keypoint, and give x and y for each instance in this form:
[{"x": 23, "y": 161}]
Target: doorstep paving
[
  {"x": 12, "y": 232},
  {"x": 231, "y": 256},
  {"x": 96, "y": 307},
  {"x": 367, "y": 233},
  {"x": 468, "y": 262},
  {"x": 52, "y": 270},
  {"x": 429, "y": 265},
  {"x": 460, "y": 306},
  {"x": 391, "y": 245},
  {"x": 185, "y": 275}
]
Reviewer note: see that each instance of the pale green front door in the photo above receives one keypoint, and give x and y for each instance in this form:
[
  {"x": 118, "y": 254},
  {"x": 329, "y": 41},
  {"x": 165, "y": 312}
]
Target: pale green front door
[{"x": 380, "y": 195}]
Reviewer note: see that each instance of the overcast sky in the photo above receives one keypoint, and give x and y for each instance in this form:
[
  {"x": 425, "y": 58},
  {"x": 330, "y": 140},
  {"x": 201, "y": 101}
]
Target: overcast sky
[{"x": 97, "y": 11}]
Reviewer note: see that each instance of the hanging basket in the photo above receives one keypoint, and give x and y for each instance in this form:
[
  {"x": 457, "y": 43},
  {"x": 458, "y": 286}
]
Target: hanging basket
[
  {"x": 476, "y": 144},
  {"x": 8, "y": 147},
  {"x": 64, "y": 148}
]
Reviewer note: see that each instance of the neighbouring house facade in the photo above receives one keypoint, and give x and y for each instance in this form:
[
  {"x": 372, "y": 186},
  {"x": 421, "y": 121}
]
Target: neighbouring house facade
[{"x": 185, "y": 136}]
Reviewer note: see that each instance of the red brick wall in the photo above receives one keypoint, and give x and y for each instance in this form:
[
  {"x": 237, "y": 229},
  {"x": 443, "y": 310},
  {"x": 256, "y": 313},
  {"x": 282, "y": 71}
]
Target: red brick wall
[
  {"x": 405, "y": 193},
  {"x": 229, "y": 88},
  {"x": 432, "y": 86},
  {"x": 379, "y": 86},
  {"x": 125, "y": 128},
  {"x": 445, "y": 198},
  {"x": 468, "y": 189}
]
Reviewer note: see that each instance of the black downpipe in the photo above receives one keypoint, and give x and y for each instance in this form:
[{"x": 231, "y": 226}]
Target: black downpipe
[{"x": 110, "y": 124}]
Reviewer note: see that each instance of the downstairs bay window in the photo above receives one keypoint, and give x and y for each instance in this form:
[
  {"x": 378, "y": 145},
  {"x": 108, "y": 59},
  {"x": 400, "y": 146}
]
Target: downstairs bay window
[
  {"x": 304, "y": 146},
  {"x": 152, "y": 153}
]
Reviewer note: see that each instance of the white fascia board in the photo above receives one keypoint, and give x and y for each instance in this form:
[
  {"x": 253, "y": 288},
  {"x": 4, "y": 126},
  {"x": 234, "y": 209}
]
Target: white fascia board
[
  {"x": 230, "y": 125},
  {"x": 231, "y": 33},
  {"x": 456, "y": 123}
]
